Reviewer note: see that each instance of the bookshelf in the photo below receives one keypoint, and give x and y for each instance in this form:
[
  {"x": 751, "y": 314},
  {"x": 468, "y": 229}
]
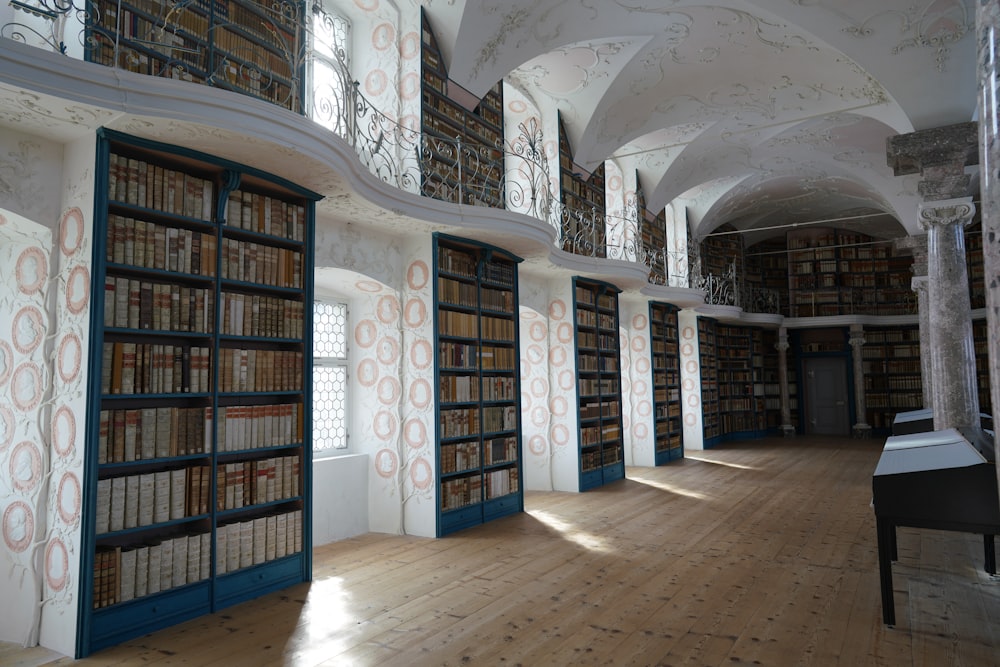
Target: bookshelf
[
  {"x": 669, "y": 430},
  {"x": 473, "y": 176},
  {"x": 583, "y": 201},
  {"x": 654, "y": 240},
  {"x": 976, "y": 269},
  {"x": 721, "y": 251},
  {"x": 892, "y": 373},
  {"x": 197, "y": 470},
  {"x": 598, "y": 364},
  {"x": 980, "y": 341},
  {"x": 240, "y": 45},
  {"x": 711, "y": 420},
  {"x": 767, "y": 267},
  {"x": 834, "y": 272},
  {"x": 477, "y": 372}
]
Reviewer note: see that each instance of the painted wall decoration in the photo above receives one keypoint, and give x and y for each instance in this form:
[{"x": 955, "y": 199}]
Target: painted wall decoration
[{"x": 687, "y": 322}]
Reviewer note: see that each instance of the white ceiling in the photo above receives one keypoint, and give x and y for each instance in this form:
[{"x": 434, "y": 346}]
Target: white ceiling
[{"x": 757, "y": 114}]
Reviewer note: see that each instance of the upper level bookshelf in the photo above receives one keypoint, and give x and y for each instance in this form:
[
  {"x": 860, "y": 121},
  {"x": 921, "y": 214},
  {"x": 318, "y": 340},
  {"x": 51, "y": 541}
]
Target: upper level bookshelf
[
  {"x": 666, "y": 369},
  {"x": 479, "y": 427},
  {"x": 598, "y": 366},
  {"x": 472, "y": 174},
  {"x": 836, "y": 272},
  {"x": 197, "y": 469},
  {"x": 583, "y": 199},
  {"x": 767, "y": 268},
  {"x": 722, "y": 251},
  {"x": 240, "y": 45},
  {"x": 974, "y": 261}
]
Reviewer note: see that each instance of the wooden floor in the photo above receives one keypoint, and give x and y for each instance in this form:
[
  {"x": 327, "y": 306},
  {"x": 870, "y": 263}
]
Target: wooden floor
[{"x": 758, "y": 553}]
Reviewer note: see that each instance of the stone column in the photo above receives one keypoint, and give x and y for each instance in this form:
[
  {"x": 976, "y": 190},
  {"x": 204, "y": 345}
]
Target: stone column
[
  {"x": 940, "y": 156},
  {"x": 787, "y": 429},
  {"x": 953, "y": 356},
  {"x": 862, "y": 429},
  {"x": 988, "y": 39}
]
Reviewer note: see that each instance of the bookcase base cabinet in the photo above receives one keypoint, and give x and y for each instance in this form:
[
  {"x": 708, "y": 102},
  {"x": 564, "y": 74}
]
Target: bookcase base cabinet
[
  {"x": 665, "y": 456},
  {"x": 592, "y": 479},
  {"x": 467, "y": 517},
  {"x": 114, "y": 625}
]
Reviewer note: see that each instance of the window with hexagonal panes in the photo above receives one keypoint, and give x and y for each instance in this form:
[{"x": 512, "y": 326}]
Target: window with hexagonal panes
[{"x": 329, "y": 396}]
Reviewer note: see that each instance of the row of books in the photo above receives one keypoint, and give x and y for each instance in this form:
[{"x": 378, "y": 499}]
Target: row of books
[
  {"x": 141, "y": 304},
  {"x": 499, "y": 418},
  {"x": 131, "y": 501},
  {"x": 500, "y": 300},
  {"x": 263, "y": 264},
  {"x": 451, "y": 323},
  {"x": 142, "y": 434},
  {"x": 498, "y": 388},
  {"x": 147, "y": 368},
  {"x": 459, "y": 457},
  {"x": 501, "y": 482},
  {"x": 458, "y": 355},
  {"x": 501, "y": 450},
  {"x": 497, "y": 358},
  {"x": 246, "y": 483},
  {"x": 242, "y": 370},
  {"x": 149, "y": 245},
  {"x": 910, "y": 401},
  {"x": 122, "y": 574},
  {"x": 266, "y": 215},
  {"x": 260, "y": 540},
  {"x": 459, "y": 388},
  {"x": 502, "y": 273},
  {"x": 893, "y": 382},
  {"x": 598, "y": 386},
  {"x": 906, "y": 367},
  {"x": 152, "y": 186},
  {"x": 458, "y": 293},
  {"x": 254, "y": 426},
  {"x": 459, "y": 422},
  {"x": 260, "y": 315},
  {"x": 457, "y": 262},
  {"x": 463, "y": 492},
  {"x": 273, "y": 59},
  {"x": 590, "y": 460}
]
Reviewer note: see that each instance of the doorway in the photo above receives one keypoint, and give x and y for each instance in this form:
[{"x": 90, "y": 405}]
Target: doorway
[{"x": 827, "y": 399}]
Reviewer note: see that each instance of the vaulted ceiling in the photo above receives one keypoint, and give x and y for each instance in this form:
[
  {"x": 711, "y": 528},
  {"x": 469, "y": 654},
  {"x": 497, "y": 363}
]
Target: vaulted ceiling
[{"x": 757, "y": 114}]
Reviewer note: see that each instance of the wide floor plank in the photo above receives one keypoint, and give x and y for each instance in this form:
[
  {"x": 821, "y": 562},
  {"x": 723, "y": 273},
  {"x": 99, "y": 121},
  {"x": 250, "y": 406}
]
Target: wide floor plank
[{"x": 760, "y": 552}]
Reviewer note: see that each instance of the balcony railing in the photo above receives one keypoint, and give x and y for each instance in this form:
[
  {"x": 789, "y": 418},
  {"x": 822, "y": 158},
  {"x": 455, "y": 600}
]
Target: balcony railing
[{"x": 194, "y": 40}]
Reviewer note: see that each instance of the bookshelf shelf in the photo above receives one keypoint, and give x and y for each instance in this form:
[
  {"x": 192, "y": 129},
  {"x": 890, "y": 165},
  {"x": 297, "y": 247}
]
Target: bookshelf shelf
[
  {"x": 199, "y": 439},
  {"x": 669, "y": 430},
  {"x": 598, "y": 383},
  {"x": 478, "y": 407}
]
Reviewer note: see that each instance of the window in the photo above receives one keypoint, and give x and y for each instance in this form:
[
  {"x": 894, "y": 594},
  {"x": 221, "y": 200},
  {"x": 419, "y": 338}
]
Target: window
[{"x": 329, "y": 403}]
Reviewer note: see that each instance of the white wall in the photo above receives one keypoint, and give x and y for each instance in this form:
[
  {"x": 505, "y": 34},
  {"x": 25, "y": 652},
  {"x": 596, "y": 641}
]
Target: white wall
[
  {"x": 694, "y": 435},
  {"x": 340, "y": 498}
]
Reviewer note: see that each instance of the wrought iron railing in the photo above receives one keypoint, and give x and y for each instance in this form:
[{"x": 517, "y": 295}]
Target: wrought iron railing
[
  {"x": 308, "y": 71},
  {"x": 729, "y": 290}
]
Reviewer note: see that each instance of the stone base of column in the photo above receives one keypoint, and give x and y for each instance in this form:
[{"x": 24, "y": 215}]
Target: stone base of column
[
  {"x": 862, "y": 431},
  {"x": 787, "y": 430}
]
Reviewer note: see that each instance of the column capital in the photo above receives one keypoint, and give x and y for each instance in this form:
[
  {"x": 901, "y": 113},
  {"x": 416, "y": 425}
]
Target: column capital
[
  {"x": 782, "y": 346},
  {"x": 857, "y": 339},
  {"x": 940, "y": 155},
  {"x": 920, "y": 284},
  {"x": 946, "y": 212}
]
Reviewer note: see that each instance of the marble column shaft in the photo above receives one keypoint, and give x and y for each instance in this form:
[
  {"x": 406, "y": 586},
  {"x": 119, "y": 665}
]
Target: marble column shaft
[
  {"x": 953, "y": 358},
  {"x": 786, "y": 405},
  {"x": 857, "y": 341},
  {"x": 988, "y": 39}
]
